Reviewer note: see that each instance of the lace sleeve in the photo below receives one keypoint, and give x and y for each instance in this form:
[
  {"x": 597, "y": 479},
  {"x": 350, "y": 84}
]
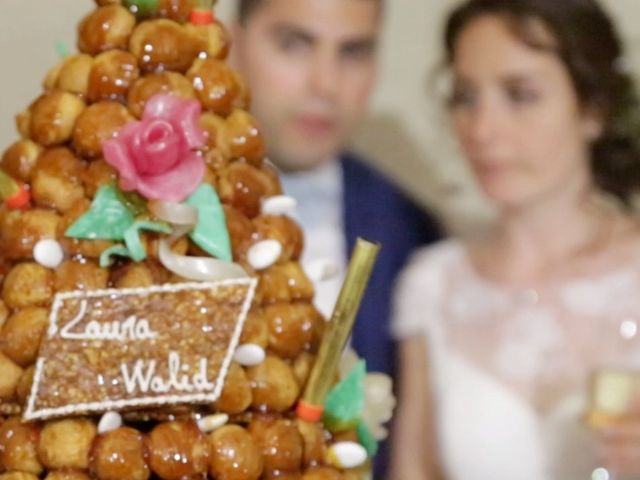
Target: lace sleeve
[{"x": 418, "y": 292}]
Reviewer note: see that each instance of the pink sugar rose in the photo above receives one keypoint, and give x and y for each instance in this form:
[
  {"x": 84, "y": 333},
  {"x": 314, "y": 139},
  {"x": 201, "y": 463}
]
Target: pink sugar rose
[{"x": 156, "y": 157}]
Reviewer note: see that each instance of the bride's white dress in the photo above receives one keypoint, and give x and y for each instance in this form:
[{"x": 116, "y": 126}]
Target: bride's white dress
[{"x": 510, "y": 367}]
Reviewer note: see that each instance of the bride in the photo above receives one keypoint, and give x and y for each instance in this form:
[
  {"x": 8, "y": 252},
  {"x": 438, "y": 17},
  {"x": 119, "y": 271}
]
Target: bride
[{"x": 500, "y": 334}]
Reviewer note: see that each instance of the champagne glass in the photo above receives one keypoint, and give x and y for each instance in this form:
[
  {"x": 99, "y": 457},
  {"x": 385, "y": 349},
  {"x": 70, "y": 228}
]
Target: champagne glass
[{"x": 614, "y": 387}]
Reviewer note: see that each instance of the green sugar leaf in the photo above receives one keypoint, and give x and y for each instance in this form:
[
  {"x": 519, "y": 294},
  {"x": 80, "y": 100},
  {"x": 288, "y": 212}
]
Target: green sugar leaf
[
  {"x": 132, "y": 237},
  {"x": 345, "y": 403},
  {"x": 210, "y": 233},
  {"x": 107, "y": 219}
]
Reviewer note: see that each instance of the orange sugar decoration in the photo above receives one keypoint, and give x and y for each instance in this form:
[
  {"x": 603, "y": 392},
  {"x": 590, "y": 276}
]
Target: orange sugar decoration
[
  {"x": 309, "y": 412},
  {"x": 20, "y": 200},
  {"x": 201, "y": 17},
  {"x": 15, "y": 195},
  {"x": 203, "y": 13}
]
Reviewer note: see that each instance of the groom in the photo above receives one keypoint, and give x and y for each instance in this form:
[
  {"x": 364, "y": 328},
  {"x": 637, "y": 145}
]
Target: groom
[{"x": 310, "y": 66}]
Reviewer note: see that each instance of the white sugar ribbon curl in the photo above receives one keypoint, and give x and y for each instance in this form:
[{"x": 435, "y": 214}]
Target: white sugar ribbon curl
[{"x": 205, "y": 269}]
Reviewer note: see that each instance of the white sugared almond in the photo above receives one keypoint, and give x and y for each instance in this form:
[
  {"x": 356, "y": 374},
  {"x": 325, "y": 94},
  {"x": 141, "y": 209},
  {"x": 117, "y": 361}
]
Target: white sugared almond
[
  {"x": 279, "y": 205},
  {"x": 346, "y": 455},
  {"x": 264, "y": 254},
  {"x": 212, "y": 422},
  {"x": 48, "y": 253},
  {"x": 249, "y": 355},
  {"x": 110, "y": 421},
  {"x": 320, "y": 270}
]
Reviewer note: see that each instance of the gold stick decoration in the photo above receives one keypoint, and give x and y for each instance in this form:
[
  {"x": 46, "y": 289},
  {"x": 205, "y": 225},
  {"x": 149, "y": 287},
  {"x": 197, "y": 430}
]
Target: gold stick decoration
[
  {"x": 206, "y": 4},
  {"x": 321, "y": 380}
]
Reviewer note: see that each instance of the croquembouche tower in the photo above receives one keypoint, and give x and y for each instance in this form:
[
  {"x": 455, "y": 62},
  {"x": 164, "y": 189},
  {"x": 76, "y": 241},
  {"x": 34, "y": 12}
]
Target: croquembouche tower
[{"x": 154, "y": 319}]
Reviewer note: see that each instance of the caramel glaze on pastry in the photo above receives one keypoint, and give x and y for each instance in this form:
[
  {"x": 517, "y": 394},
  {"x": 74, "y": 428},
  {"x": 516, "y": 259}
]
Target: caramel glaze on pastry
[{"x": 126, "y": 56}]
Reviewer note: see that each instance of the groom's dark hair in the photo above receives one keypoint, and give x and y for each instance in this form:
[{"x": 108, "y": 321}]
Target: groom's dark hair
[{"x": 247, "y": 7}]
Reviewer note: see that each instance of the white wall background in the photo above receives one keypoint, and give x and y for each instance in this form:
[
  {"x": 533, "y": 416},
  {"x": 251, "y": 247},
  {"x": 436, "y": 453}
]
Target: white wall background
[{"x": 406, "y": 134}]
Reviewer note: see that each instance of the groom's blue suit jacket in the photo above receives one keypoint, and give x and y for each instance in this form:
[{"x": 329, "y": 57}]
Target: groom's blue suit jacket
[{"x": 376, "y": 210}]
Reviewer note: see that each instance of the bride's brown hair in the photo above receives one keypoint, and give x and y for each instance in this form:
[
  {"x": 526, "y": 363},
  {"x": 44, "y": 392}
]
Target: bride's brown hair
[{"x": 586, "y": 41}]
